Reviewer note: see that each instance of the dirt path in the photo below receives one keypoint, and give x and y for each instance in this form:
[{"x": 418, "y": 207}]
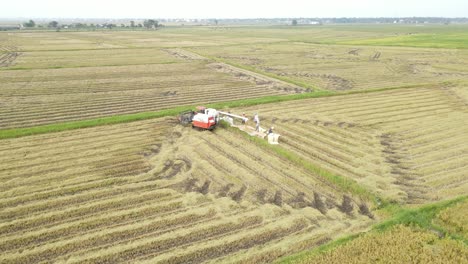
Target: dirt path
[{"x": 239, "y": 73}]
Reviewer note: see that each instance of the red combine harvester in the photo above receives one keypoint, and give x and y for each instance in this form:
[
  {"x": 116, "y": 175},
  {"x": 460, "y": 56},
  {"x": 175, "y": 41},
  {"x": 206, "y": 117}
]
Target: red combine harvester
[
  {"x": 204, "y": 118},
  {"x": 208, "y": 118}
]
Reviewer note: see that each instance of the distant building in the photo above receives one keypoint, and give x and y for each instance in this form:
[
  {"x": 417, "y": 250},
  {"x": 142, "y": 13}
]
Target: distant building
[{"x": 4, "y": 27}]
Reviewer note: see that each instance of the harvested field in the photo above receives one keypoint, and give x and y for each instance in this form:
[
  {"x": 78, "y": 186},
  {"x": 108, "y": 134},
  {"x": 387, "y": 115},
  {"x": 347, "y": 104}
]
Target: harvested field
[
  {"x": 91, "y": 58},
  {"x": 380, "y": 146},
  {"x": 146, "y": 190},
  {"x": 44, "y": 96},
  {"x": 104, "y": 39},
  {"x": 403, "y": 144},
  {"x": 344, "y": 67},
  {"x": 69, "y": 83}
]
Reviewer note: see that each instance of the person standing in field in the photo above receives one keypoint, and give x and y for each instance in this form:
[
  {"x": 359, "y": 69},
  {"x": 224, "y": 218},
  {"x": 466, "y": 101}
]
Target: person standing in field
[{"x": 257, "y": 122}]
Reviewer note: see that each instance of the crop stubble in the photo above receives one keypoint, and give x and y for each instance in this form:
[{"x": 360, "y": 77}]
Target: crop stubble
[
  {"x": 403, "y": 144},
  {"x": 67, "y": 196}
]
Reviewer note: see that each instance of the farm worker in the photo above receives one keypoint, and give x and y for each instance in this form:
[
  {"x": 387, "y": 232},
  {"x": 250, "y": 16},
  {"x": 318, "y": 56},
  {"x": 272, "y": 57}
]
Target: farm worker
[
  {"x": 257, "y": 122},
  {"x": 244, "y": 118},
  {"x": 270, "y": 131},
  {"x": 229, "y": 119}
]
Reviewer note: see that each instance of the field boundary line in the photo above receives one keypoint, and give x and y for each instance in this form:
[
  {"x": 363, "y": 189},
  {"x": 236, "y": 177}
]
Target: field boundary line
[{"x": 116, "y": 119}]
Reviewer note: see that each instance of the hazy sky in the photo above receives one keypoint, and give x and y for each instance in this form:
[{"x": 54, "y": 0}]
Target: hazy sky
[{"x": 230, "y": 8}]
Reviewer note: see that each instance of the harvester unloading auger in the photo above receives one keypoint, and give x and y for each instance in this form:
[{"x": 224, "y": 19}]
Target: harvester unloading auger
[{"x": 209, "y": 118}]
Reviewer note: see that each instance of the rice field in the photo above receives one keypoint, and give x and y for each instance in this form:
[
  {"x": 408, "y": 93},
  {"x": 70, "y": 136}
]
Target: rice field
[
  {"x": 348, "y": 67},
  {"x": 45, "y": 96},
  {"x": 402, "y": 144},
  {"x": 154, "y": 191},
  {"x": 159, "y": 192},
  {"x": 453, "y": 219},
  {"x": 399, "y": 245},
  {"x": 146, "y": 190}
]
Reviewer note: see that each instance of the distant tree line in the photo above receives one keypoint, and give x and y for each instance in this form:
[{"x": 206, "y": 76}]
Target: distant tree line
[
  {"x": 155, "y": 24},
  {"x": 30, "y": 23},
  {"x": 148, "y": 24}
]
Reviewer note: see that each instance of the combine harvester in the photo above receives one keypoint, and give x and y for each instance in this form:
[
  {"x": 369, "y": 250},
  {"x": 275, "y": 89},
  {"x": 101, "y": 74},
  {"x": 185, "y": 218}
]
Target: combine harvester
[{"x": 209, "y": 118}]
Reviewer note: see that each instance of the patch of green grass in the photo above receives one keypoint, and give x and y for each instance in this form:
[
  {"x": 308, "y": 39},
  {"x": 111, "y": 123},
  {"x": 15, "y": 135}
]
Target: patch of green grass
[{"x": 422, "y": 217}]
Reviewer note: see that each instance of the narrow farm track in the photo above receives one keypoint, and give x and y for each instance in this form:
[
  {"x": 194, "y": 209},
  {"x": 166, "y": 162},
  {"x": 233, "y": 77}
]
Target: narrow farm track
[
  {"x": 148, "y": 190},
  {"x": 398, "y": 143}
]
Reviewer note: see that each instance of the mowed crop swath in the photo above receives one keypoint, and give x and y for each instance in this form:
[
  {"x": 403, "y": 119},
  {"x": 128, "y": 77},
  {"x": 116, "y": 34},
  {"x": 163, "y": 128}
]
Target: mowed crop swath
[
  {"x": 157, "y": 191},
  {"x": 346, "y": 67},
  {"x": 403, "y": 144}
]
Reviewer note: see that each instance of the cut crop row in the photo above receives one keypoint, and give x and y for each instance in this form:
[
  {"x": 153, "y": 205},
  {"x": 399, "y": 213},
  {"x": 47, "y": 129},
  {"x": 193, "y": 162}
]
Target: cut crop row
[
  {"x": 104, "y": 199},
  {"x": 52, "y": 219},
  {"x": 38, "y": 150},
  {"x": 80, "y": 155},
  {"x": 277, "y": 165},
  {"x": 311, "y": 154},
  {"x": 132, "y": 107},
  {"x": 83, "y": 227},
  {"x": 96, "y": 220},
  {"x": 176, "y": 241},
  {"x": 231, "y": 246}
]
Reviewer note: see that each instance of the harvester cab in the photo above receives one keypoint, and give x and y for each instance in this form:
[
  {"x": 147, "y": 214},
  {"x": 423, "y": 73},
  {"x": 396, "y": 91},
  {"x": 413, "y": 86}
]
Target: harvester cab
[{"x": 205, "y": 118}]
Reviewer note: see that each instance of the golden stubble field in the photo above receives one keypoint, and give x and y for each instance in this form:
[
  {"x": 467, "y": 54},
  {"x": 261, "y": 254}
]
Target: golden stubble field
[
  {"x": 154, "y": 191},
  {"x": 159, "y": 192},
  {"x": 406, "y": 145},
  {"x": 50, "y": 77},
  {"x": 148, "y": 189},
  {"x": 348, "y": 67},
  {"x": 44, "y": 84}
]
